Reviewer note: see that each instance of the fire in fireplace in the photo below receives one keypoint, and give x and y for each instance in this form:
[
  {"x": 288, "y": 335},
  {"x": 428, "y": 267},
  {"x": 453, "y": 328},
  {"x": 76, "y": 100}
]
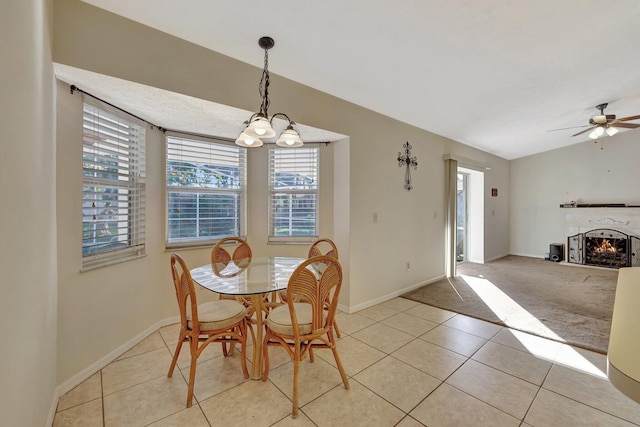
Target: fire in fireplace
[{"x": 604, "y": 248}]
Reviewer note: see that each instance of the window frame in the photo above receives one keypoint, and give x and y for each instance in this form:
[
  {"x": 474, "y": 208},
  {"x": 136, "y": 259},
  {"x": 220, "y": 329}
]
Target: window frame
[
  {"x": 107, "y": 128},
  {"x": 296, "y": 238},
  {"x": 240, "y": 192}
]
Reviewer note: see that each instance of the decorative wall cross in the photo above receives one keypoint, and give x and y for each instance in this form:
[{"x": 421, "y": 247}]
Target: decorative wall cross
[{"x": 407, "y": 159}]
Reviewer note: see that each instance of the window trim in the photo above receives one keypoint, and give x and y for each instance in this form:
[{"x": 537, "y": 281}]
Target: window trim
[{"x": 242, "y": 192}]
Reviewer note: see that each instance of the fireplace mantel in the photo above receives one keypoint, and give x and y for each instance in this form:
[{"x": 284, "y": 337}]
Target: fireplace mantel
[
  {"x": 598, "y": 205},
  {"x": 619, "y": 218}
]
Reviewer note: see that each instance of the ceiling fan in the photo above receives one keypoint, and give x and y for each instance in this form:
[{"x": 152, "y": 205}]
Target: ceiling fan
[{"x": 607, "y": 123}]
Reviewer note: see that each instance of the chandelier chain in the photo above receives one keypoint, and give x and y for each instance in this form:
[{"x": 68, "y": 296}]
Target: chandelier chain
[{"x": 263, "y": 88}]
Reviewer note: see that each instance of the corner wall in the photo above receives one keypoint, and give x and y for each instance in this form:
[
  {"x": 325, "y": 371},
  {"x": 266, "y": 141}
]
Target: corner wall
[
  {"x": 28, "y": 292},
  {"x": 606, "y": 172}
]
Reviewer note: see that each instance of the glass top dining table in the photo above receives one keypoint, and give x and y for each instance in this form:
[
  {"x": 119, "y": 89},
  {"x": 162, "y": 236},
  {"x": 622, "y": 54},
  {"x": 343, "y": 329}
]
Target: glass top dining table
[{"x": 253, "y": 278}]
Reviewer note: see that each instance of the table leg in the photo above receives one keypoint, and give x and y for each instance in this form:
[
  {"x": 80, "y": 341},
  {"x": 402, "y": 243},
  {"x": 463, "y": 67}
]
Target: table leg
[{"x": 256, "y": 366}]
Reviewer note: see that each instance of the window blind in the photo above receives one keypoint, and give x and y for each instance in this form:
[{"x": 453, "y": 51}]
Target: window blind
[
  {"x": 293, "y": 194},
  {"x": 113, "y": 190},
  {"x": 206, "y": 191}
]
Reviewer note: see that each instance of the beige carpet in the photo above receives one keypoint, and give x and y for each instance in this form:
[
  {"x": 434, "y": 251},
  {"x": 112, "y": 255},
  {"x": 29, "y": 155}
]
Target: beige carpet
[{"x": 565, "y": 303}]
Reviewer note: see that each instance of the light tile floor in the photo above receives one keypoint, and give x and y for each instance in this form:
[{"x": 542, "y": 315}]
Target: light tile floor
[{"x": 408, "y": 364}]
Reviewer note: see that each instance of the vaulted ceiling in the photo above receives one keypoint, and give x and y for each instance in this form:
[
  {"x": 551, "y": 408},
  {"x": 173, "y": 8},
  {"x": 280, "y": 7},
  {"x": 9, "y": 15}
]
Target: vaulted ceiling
[{"x": 493, "y": 74}]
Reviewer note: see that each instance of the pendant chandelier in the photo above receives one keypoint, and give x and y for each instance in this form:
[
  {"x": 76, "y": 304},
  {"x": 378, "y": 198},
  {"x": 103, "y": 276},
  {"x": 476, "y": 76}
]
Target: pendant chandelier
[{"x": 260, "y": 125}]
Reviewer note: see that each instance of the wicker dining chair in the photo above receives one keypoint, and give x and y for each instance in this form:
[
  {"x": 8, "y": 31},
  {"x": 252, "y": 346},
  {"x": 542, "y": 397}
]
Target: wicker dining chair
[
  {"x": 241, "y": 254},
  {"x": 222, "y": 321},
  {"x": 325, "y": 247},
  {"x": 301, "y": 326}
]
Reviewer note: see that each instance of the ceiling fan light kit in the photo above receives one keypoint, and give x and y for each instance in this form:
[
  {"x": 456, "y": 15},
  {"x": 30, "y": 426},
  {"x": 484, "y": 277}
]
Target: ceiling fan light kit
[
  {"x": 607, "y": 123},
  {"x": 260, "y": 126}
]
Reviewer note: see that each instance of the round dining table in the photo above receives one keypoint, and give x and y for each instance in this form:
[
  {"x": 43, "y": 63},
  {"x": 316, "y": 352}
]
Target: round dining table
[{"x": 254, "y": 278}]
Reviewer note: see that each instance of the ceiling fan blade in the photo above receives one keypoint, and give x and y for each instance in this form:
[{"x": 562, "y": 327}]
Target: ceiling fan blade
[
  {"x": 626, "y": 119},
  {"x": 627, "y": 125},
  {"x": 584, "y": 131},
  {"x": 572, "y": 127}
]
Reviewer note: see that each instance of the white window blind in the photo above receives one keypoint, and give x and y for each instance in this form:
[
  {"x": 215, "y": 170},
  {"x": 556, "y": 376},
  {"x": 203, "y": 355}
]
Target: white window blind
[
  {"x": 293, "y": 194},
  {"x": 113, "y": 188},
  {"x": 206, "y": 191}
]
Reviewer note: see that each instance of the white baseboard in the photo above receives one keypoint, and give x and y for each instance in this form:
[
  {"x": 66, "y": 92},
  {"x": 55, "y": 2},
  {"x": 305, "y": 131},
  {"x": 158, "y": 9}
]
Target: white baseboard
[
  {"x": 496, "y": 257},
  {"x": 387, "y": 297},
  {"x": 81, "y": 376},
  {"x": 529, "y": 255}
]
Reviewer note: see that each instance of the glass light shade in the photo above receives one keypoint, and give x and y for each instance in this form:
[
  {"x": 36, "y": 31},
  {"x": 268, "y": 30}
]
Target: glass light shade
[
  {"x": 610, "y": 130},
  {"x": 260, "y": 128},
  {"x": 245, "y": 140},
  {"x": 597, "y": 132},
  {"x": 289, "y": 138}
]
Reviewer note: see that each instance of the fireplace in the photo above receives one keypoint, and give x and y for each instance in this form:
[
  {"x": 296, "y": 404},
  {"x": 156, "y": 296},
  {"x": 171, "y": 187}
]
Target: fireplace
[{"x": 604, "y": 248}]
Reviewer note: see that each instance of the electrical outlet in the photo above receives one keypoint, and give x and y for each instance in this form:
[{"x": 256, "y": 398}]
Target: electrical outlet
[{"x": 408, "y": 265}]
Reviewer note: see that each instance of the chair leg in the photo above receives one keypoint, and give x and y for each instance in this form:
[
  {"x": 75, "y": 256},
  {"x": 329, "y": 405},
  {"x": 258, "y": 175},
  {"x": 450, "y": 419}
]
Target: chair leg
[
  {"x": 175, "y": 356},
  {"x": 296, "y": 368},
  {"x": 345, "y": 381},
  {"x": 192, "y": 371},
  {"x": 335, "y": 326},
  {"x": 243, "y": 348},
  {"x": 265, "y": 358}
]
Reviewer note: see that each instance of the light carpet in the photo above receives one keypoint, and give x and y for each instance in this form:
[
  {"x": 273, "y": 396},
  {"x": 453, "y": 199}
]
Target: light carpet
[{"x": 563, "y": 302}]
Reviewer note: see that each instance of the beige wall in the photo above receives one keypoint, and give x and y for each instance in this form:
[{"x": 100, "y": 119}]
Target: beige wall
[
  {"x": 28, "y": 227},
  {"x": 606, "y": 172},
  {"x": 365, "y": 179}
]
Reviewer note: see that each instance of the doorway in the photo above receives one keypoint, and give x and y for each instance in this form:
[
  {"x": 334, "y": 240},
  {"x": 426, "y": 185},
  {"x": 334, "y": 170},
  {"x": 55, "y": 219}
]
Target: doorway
[
  {"x": 462, "y": 188},
  {"x": 470, "y": 215}
]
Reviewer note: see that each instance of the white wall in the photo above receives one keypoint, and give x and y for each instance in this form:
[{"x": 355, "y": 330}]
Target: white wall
[
  {"x": 606, "y": 172},
  {"x": 366, "y": 179},
  {"x": 28, "y": 226}
]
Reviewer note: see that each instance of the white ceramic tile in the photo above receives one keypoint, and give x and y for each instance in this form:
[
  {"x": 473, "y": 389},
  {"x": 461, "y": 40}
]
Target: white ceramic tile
[
  {"x": 192, "y": 417},
  {"x": 454, "y": 340},
  {"x": 89, "y": 389},
  {"x": 540, "y": 347},
  {"x": 430, "y": 358},
  {"x": 409, "y": 324},
  {"x": 409, "y": 422},
  {"x": 377, "y": 312},
  {"x": 357, "y": 406},
  {"x": 581, "y": 359},
  {"x": 152, "y": 342},
  {"x": 253, "y": 403},
  {"x": 314, "y": 379},
  {"x": 515, "y": 362},
  {"x": 134, "y": 370},
  {"x": 503, "y": 391},
  {"x": 350, "y": 323},
  {"x": 88, "y": 414},
  {"x": 448, "y": 406},
  {"x": 354, "y": 355},
  {"x": 473, "y": 326},
  {"x": 397, "y": 382},
  {"x": 553, "y": 410},
  {"x": 301, "y": 421},
  {"x": 382, "y": 337},
  {"x": 428, "y": 312},
  {"x": 216, "y": 375},
  {"x": 591, "y": 390},
  {"x": 145, "y": 403},
  {"x": 400, "y": 304}
]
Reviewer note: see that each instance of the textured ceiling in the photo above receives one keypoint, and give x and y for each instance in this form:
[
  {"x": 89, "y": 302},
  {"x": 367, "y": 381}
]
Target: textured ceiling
[{"x": 492, "y": 74}]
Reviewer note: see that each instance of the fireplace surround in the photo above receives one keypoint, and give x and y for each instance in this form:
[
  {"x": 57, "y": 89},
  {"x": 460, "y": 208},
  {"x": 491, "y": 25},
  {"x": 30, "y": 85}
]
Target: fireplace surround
[{"x": 604, "y": 247}]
